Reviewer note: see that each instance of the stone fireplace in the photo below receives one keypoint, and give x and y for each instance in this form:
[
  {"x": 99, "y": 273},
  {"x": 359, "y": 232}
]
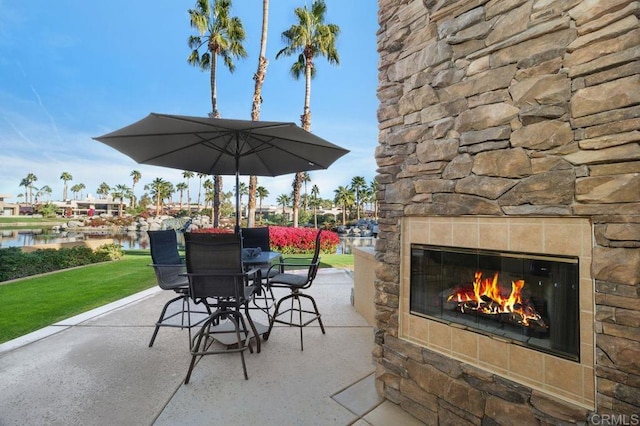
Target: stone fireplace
[
  {"x": 524, "y": 298},
  {"x": 509, "y": 128}
]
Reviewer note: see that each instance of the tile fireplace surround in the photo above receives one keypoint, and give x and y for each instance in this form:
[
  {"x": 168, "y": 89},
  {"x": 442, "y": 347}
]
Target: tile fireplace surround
[{"x": 558, "y": 378}]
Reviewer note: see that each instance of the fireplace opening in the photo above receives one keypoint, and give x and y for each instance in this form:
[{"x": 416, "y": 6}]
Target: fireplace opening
[{"x": 526, "y": 298}]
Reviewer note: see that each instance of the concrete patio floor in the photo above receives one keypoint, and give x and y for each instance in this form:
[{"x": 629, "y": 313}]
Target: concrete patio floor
[{"x": 97, "y": 369}]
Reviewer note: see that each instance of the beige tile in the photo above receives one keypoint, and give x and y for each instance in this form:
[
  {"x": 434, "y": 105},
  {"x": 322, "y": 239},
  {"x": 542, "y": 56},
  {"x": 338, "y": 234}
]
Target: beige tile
[
  {"x": 465, "y": 234},
  {"x": 527, "y": 364},
  {"x": 586, "y": 327},
  {"x": 587, "y": 239},
  {"x": 493, "y": 354},
  {"x": 526, "y": 237},
  {"x": 586, "y": 295},
  {"x": 569, "y": 395},
  {"x": 419, "y": 329},
  {"x": 494, "y": 235},
  {"x": 565, "y": 238},
  {"x": 440, "y": 233},
  {"x": 404, "y": 328},
  {"x": 563, "y": 374},
  {"x": 464, "y": 344},
  {"x": 587, "y": 354},
  {"x": 419, "y": 231},
  {"x": 440, "y": 335},
  {"x": 589, "y": 385}
]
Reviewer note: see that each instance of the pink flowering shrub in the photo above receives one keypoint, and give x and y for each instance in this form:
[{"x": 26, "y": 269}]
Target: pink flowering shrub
[
  {"x": 212, "y": 231},
  {"x": 301, "y": 240},
  {"x": 287, "y": 240}
]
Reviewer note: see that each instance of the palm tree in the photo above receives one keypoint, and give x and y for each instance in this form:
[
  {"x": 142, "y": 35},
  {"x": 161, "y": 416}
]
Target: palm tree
[
  {"x": 358, "y": 184},
  {"x": 28, "y": 182},
  {"x": 258, "y": 77},
  {"x": 81, "y": 187},
  {"x": 159, "y": 189},
  {"x": 366, "y": 197},
  {"x": 181, "y": 188},
  {"x": 262, "y": 193},
  {"x": 74, "y": 190},
  {"x": 25, "y": 182},
  {"x": 200, "y": 176},
  {"x": 221, "y": 35},
  {"x": 244, "y": 190},
  {"x": 305, "y": 178},
  {"x": 188, "y": 175},
  {"x": 343, "y": 197},
  {"x": 209, "y": 192},
  {"x": 120, "y": 192},
  {"x": 283, "y": 200},
  {"x": 374, "y": 189},
  {"x": 308, "y": 39},
  {"x": 66, "y": 177},
  {"x": 46, "y": 189},
  {"x": 135, "y": 177},
  {"x": 315, "y": 191},
  {"x": 103, "y": 189}
]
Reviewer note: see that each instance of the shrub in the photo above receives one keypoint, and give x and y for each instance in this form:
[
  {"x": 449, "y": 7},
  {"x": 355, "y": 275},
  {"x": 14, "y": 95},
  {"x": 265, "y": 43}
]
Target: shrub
[
  {"x": 16, "y": 264},
  {"x": 301, "y": 240},
  {"x": 109, "y": 252},
  {"x": 287, "y": 240}
]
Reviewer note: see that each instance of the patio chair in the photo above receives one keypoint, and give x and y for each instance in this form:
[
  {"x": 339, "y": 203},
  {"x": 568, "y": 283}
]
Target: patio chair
[
  {"x": 295, "y": 283},
  {"x": 169, "y": 268},
  {"x": 259, "y": 238},
  {"x": 217, "y": 278}
]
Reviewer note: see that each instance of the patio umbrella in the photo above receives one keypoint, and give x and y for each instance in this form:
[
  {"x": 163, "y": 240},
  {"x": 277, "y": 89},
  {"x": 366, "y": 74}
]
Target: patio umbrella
[{"x": 218, "y": 146}]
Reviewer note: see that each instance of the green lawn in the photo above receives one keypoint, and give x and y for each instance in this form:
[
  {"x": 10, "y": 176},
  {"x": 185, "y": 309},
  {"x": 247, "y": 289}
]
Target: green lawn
[
  {"x": 32, "y": 303},
  {"x": 29, "y": 220}
]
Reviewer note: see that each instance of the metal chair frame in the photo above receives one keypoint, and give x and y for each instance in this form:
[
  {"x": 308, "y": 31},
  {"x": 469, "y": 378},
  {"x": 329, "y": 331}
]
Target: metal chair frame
[
  {"x": 216, "y": 278},
  {"x": 170, "y": 276},
  {"x": 296, "y": 283},
  {"x": 264, "y": 299}
]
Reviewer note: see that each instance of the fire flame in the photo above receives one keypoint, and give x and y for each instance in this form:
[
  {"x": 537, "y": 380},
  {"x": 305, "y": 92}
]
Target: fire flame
[{"x": 487, "y": 298}]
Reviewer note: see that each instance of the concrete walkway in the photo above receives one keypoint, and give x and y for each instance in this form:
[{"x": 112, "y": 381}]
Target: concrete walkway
[{"x": 96, "y": 369}]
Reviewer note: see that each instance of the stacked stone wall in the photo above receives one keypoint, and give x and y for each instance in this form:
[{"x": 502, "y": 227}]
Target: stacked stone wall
[{"x": 511, "y": 108}]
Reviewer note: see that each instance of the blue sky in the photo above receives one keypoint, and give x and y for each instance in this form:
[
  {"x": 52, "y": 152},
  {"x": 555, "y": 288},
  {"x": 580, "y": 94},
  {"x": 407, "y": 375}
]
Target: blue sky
[{"x": 72, "y": 70}]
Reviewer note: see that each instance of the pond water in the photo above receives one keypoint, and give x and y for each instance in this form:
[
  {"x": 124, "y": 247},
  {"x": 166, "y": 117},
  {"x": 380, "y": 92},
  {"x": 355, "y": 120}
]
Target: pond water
[{"x": 128, "y": 240}]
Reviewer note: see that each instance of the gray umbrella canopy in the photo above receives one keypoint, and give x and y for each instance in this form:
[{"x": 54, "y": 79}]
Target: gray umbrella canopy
[{"x": 217, "y": 146}]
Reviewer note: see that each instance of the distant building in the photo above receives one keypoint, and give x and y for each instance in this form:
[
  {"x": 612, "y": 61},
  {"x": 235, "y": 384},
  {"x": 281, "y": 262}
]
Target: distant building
[{"x": 6, "y": 208}]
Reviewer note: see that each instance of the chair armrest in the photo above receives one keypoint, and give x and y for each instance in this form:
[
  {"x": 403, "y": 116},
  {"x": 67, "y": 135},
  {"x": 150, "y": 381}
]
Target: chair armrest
[
  {"x": 223, "y": 273},
  {"x": 298, "y": 265},
  {"x": 170, "y": 276}
]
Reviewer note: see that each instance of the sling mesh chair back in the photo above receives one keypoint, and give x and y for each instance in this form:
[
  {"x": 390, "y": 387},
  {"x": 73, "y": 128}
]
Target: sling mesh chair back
[
  {"x": 296, "y": 315},
  {"x": 216, "y": 278},
  {"x": 170, "y": 273},
  {"x": 259, "y": 238}
]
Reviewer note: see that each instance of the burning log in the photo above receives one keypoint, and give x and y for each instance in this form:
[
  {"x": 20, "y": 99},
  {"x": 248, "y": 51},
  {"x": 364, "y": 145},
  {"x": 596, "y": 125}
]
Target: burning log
[{"x": 486, "y": 297}]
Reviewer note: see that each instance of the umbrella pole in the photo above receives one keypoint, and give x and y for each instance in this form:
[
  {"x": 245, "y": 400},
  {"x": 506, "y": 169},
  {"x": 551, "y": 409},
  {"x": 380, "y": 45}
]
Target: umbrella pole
[{"x": 237, "y": 228}]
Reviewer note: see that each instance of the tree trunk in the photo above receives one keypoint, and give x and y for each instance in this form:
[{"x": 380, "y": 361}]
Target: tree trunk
[
  {"x": 251, "y": 203},
  {"x": 258, "y": 77},
  {"x": 217, "y": 200},
  {"x": 306, "y": 125}
]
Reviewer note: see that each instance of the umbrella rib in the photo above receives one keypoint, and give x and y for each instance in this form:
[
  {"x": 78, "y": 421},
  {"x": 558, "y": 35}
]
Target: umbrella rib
[
  {"x": 267, "y": 142},
  {"x": 203, "y": 141}
]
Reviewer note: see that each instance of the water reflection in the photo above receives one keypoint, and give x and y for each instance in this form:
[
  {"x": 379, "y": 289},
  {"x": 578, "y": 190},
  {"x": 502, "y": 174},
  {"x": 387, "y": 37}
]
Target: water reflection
[{"x": 129, "y": 240}]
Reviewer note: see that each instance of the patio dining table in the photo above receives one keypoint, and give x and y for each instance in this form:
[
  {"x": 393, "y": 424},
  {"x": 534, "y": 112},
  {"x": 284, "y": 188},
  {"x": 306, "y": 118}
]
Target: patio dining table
[{"x": 264, "y": 257}]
